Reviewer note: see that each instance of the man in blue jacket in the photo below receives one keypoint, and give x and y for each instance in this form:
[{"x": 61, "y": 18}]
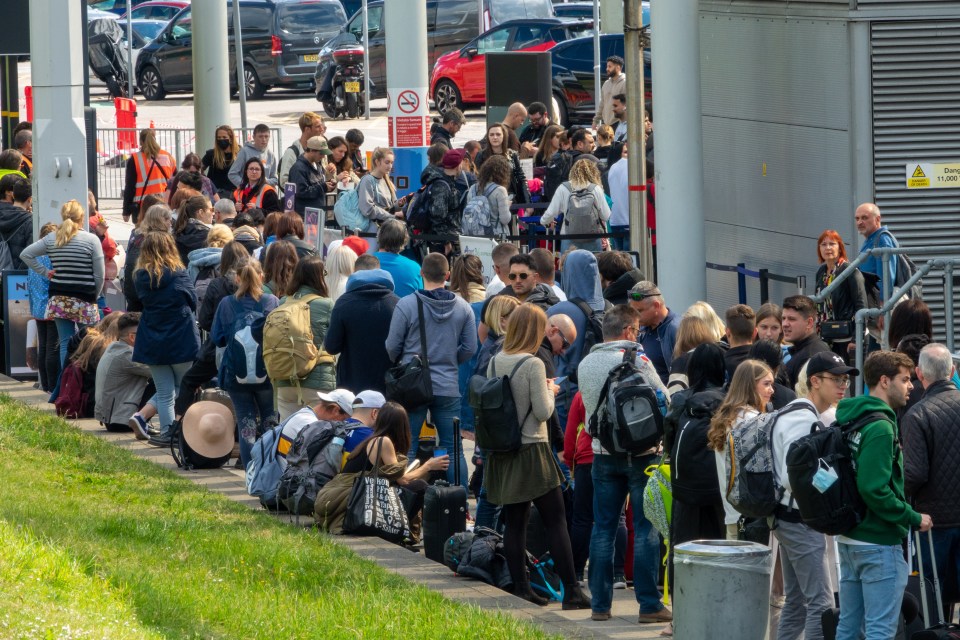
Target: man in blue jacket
[
  {"x": 449, "y": 323},
  {"x": 876, "y": 236}
]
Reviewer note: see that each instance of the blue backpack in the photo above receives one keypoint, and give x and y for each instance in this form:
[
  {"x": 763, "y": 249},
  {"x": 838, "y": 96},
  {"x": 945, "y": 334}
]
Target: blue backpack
[
  {"x": 244, "y": 350},
  {"x": 264, "y": 470},
  {"x": 347, "y": 211}
]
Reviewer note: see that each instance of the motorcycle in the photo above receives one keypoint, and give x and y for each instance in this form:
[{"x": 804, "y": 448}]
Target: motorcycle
[
  {"x": 107, "y": 60},
  {"x": 341, "y": 92}
]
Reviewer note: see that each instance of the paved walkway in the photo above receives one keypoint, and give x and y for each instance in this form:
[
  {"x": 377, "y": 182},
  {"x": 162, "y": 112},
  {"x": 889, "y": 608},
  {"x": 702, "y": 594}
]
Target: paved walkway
[{"x": 413, "y": 566}]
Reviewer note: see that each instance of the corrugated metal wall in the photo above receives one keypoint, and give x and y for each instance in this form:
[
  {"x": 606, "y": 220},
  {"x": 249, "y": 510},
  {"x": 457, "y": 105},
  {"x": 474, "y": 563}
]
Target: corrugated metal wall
[{"x": 916, "y": 117}]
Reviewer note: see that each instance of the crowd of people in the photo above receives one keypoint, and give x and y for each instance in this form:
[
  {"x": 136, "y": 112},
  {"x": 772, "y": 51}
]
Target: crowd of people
[{"x": 215, "y": 261}]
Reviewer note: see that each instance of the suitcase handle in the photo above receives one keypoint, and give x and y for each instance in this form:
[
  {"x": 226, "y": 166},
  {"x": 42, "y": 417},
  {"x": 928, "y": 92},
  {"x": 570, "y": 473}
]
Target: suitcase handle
[
  {"x": 936, "y": 579},
  {"x": 457, "y": 447}
]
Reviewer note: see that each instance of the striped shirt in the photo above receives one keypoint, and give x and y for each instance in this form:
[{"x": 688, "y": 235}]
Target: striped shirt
[{"x": 78, "y": 270}]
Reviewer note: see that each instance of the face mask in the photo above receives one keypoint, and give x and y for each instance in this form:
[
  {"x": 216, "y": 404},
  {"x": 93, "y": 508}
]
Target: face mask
[
  {"x": 223, "y": 144},
  {"x": 824, "y": 478}
]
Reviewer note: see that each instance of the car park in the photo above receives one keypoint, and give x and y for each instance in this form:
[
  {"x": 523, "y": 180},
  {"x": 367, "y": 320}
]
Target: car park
[
  {"x": 450, "y": 25},
  {"x": 156, "y": 10},
  {"x": 280, "y": 40},
  {"x": 116, "y": 7},
  {"x": 573, "y": 79},
  {"x": 459, "y": 77}
]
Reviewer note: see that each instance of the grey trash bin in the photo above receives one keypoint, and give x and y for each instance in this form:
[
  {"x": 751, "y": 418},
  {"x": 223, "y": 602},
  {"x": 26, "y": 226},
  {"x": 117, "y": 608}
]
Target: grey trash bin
[{"x": 722, "y": 590}]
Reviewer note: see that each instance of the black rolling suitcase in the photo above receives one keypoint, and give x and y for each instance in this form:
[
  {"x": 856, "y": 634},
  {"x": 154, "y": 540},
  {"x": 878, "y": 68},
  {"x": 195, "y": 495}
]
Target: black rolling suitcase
[
  {"x": 941, "y": 630},
  {"x": 444, "y": 507}
]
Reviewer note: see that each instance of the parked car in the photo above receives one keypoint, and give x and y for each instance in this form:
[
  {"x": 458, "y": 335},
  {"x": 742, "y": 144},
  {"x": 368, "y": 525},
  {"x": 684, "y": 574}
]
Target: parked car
[
  {"x": 156, "y": 10},
  {"x": 144, "y": 32},
  {"x": 116, "y": 7},
  {"x": 573, "y": 80},
  {"x": 459, "y": 77},
  {"x": 280, "y": 38},
  {"x": 450, "y": 25},
  {"x": 584, "y": 10}
]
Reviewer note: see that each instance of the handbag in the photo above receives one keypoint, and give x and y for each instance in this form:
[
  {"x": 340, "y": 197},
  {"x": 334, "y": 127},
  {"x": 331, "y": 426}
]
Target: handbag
[
  {"x": 409, "y": 383},
  {"x": 374, "y": 507},
  {"x": 836, "y": 330}
]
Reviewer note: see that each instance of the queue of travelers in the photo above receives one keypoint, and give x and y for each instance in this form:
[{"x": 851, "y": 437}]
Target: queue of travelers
[{"x": 219, "y": 277}]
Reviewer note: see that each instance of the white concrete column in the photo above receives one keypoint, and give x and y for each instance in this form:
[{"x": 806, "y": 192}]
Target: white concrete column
[{"x": 211, "y": 71}]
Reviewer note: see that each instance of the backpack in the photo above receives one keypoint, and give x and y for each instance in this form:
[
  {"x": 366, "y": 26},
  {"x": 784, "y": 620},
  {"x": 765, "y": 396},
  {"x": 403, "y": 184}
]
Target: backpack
[
  {"x": 347, "y": 211},
  {"x": 315, "y": 457},
  {"x": 418, "y": 209},
  {"x": 6, "y": 256},
  {"x": 497, "y": 425},
  {"x": 264, "y": 469},
  {"x": 753, "y": 487},
  {"x": 583, "y": 212},
  {"x": 543, "y": 577},
  {"x": 628, "y": 419},
  {"x": 73, "y": 400},
  {"x": 558, "y": 170},
  {"x": 693, "y": 464},
  {"x": 244, "y": 352},
  {"x": 838, "y": 508},
  {"x": 658, "y": 498},
  {"x": 478, "y": 219},
  {"x": 593, "y": 332},
  {"x": 288, "y": 349},
  {"x": 905, "y": 268},
  {"x": 455, "y": 548},
  {"x": 204, "y": 278}
]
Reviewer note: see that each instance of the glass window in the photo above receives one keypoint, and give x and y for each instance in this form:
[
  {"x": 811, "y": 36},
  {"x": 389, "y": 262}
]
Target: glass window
[
  {"x": 503, "y": 10},
  {"x": 310, "y": 17},
  {"x": 183, "y": 27},
  {"x": 576, "y": 52},
  {"x": 494, "y": 41},
  {"x": 528, "y": 35},
  {"x": 373, "y": 22}
]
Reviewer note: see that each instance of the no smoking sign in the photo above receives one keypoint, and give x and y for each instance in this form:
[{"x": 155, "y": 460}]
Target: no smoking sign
[{"x": 408, "y": 101}]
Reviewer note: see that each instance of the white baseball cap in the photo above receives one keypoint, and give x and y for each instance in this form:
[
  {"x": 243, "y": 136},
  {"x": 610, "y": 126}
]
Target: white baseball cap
[
  {"x": 369, "y": 400},
  {"x": 340, "y": 397}
]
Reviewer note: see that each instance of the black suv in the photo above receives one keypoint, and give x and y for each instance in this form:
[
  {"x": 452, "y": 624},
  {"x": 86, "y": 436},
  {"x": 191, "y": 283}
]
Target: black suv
[{"x": 280, "y": 41}]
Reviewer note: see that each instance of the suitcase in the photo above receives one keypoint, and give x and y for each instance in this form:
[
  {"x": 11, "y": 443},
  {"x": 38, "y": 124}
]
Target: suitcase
[
  {"x": 941, "y": 629},
  {"x": 444, "y": 507}
]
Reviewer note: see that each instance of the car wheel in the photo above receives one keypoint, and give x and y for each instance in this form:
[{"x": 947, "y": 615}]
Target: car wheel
[
  {"x": 446, "y": 96},
  {"x": 560, "y": 109},
  {"x": 251, "y": 84},
  {"x": 151, "y": 84}
]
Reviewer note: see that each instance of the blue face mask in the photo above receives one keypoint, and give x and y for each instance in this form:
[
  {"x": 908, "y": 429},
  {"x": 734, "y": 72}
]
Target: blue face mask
[{"x": 824, "y": 478}]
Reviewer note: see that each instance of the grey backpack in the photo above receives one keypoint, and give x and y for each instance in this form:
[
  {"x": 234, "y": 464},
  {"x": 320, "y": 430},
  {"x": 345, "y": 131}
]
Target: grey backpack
[
  {"x": 479, "y": 220},
  {"x": 314, "y": 458},
  {"x": 583, "y": 212}
]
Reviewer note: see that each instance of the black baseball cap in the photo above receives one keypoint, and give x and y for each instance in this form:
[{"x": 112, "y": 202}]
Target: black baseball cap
[{"x": 828, "y": 362}]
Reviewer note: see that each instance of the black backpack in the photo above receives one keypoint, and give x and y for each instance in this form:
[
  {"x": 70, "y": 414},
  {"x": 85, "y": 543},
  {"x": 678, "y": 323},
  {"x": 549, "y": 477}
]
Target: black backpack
[
  {"x": 558, "y": 170},
  {"x": 418, "y": 210},
  {"x": 497, "y": 425},
  {"x": 628, "y": 419},
  {"x": 693, "y": 472},
  {"x": 838, "y": 508}
]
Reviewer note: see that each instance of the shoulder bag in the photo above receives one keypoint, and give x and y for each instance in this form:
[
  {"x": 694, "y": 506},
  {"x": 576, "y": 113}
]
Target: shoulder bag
[
  {"x": 374, "y": 507},
  {"x": 409, "y": 383}
]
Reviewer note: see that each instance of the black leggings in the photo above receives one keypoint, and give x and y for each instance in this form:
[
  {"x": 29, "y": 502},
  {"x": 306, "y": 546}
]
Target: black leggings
[
  {"x": 203, "y": 371},
  {"x": 48, "y": 354},
  {"x": 515, "y": 517}
]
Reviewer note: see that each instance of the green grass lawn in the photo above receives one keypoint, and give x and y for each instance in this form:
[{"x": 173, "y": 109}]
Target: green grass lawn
[{"x": 97, "y": 543}]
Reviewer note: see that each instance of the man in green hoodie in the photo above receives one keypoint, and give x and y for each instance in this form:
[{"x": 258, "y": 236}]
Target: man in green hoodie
[{"x": 873, "y": 572}]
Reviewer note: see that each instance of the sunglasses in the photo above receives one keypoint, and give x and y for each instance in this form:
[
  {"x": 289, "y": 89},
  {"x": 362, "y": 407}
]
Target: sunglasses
[
  {"x": 637, "y": 297},
  {"x": 522, "y": 276},
  {"x": 564, "y": 343}
]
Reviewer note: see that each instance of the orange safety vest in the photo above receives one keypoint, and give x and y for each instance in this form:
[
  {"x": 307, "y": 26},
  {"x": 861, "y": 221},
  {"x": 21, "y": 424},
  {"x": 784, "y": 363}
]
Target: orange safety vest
[
  {"x": 159, "y": 173},
  {"x": 256, "y": 203}
]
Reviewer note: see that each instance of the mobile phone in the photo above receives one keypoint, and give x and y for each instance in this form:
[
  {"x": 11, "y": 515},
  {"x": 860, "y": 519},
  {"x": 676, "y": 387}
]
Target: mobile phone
[{"x": 559, "y": 380}]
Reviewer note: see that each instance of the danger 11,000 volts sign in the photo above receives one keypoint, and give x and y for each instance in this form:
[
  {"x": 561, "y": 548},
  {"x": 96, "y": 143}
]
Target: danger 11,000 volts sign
[{"x": 933, "y": 175}]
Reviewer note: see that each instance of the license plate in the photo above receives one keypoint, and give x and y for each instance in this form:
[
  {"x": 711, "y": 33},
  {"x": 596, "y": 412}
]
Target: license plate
[
  {"x": 310, "y": 58},
  {"x": 351, "y": 87}
]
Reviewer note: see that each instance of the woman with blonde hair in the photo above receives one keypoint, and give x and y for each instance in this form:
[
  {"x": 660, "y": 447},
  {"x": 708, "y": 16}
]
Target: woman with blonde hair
[
  {"x": 530, "y": 474},
  {"x": 377, "y": 196},
  {"x": 705, "y": 312},
  {"x": 750, "y": 391},
  {"x": 85, "y": 350},
  {"x": 167, "y": 340},
  {"x": 252, "y": 401},
  {"x": 549, "y": 145},
  {"x": 147, "y": 173},
  {"x": 77, "y": 276},
  {"x": 159, "y": 218},
  {"x": 339, "y": 267},
  {"x": 583, "y": 205},
  {"x": 493, "y": 184},
  {"x": 693, "y": 332}
]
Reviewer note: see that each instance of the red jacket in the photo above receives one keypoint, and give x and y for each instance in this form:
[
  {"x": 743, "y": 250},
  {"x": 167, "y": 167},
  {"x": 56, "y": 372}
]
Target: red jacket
[{"x": 577, "y": 442}]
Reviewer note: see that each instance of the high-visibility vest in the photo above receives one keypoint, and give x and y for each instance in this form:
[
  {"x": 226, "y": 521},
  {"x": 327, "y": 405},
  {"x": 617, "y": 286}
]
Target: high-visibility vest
[
  {"x": 256, "y": 203},
  {"x": 160, "y": 174}
]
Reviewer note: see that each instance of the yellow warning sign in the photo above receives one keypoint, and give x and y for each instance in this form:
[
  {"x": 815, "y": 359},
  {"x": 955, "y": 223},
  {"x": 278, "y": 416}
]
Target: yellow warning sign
[{"x": 918, "y": 172}]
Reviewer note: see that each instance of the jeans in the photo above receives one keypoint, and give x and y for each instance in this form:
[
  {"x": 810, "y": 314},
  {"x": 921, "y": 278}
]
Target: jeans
[
  {"x": 65, "y": 330},
  {"x": 620, "y": 243},
  {"x": 806, "y": 585},
  {"x": 613, "y": 479},
  {"x": 48, "y": 353},
  {"x": 946, "y": 547},
  {"x": 582, "y": 523},
  {"x": 443, "y": 409},
  {"x": 253, "y": 404},
  {"x": 203, "y": 370},
  {"x": 872, "y": 580},
  {"x": 167, "y": 379}
]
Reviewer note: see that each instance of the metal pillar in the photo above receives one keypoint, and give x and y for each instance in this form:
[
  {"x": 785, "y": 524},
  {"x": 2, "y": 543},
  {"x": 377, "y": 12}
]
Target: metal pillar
[
  {"x": 481, "y": 25},
  {"x": 597, "y": 71},
  {"x": 681, "y": 244},
  {"x": 636, "y": 154},
  {"x": 611, "y": 16},
  {"x": 211, "y": 74},
  {"x": 241, "y": 85},
  {"x": 366, "y": 62},
  {"x": 59, "y": 142},
  {"x": 408, "y": 114},
  {"x": 9, "y": 98},
  {"x": 130, "y": 69}
]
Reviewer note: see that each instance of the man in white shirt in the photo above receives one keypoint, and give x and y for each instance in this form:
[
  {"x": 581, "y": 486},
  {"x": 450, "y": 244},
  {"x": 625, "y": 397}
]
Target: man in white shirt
[{"x": 620, "y": 211}]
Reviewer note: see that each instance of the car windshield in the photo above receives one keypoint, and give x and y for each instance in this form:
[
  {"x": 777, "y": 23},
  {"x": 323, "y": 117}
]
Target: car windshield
[
  {"x": 310, "y": 17},
  {"x": 373, "y": 22},
  {"x": 149, "y": 30},
  {"x": 503, "y": 10},
  {"x": 103, "y": 5}
]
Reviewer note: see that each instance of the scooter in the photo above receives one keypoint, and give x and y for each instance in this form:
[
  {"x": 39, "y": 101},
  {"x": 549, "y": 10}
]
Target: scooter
[
  {"x": 341, "y": 92},
  {"x": 106, "y": 55}
]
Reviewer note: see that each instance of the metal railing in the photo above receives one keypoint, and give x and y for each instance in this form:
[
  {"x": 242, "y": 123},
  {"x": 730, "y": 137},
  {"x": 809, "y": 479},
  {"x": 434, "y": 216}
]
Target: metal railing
[
  {"x": 113, "y": 150},
  {"x": 763, "y": 275}
]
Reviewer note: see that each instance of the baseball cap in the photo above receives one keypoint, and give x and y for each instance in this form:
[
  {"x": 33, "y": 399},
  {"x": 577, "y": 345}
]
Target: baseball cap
[
  {"x": 827, "y": 362},
  {"x": 357, "y": 244},
  {"x": 369, "y": 400},
  {"x": 340, "y": 397},
  {"x": 453, "y": 158},
  {"x": 319, "y": 143}
]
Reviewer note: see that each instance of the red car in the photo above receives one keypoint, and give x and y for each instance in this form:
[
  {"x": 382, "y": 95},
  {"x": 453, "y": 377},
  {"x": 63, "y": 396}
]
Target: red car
[{"x": 460, "y": 77}]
